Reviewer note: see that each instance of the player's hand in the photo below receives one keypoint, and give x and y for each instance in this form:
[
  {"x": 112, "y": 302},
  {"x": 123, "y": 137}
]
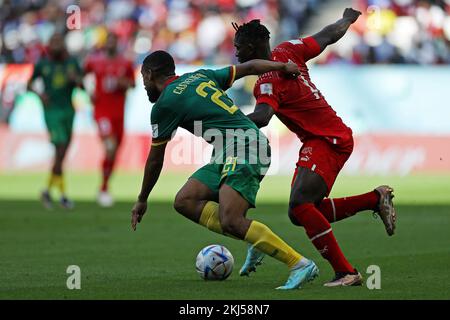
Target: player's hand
[
  {"x": 291, "y": 69},
  {"x": 137, "y": 213},
  {"x": 351, "y": 14}
]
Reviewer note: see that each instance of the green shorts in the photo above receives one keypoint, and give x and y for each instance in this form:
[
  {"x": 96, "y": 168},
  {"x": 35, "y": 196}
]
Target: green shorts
[
  {"x": 59, "y": 125},
  {"x": 242, "y": 175}
]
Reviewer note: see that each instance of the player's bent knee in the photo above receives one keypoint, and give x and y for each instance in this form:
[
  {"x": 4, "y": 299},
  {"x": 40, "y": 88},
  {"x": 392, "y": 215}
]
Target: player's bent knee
[
  {"x": 187, "y": 206},
  {"x": 297, "y": 201},
  {"x": 178, "y": 206},
  {"x": 293, "y": 218},
  {"x": 180, "y": 203},
  {"x": 304, "y": 198}
]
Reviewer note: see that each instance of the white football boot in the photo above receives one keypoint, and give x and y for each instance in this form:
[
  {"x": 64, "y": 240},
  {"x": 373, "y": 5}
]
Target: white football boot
[{"x": 104, "y": 199}]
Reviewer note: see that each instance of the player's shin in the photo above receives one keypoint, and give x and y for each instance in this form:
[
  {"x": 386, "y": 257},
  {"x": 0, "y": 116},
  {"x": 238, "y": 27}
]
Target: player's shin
[
  {"x": 60, "y": 184},
  {"x": 265, "y": 240},
  {"x": 210, "y": 219},
  {"x": 57, "y": 180},
  {"x": 107, "y": 167},
  {"x": 51, "y": 181},
  {"x": 342, "y": 208},
  {"x": 321, "y": 235}
]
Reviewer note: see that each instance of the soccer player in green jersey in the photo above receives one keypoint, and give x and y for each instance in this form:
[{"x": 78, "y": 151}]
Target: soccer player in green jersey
[
  {"x": 219, "y": 194},
  {"x": 60, "y": 74}
]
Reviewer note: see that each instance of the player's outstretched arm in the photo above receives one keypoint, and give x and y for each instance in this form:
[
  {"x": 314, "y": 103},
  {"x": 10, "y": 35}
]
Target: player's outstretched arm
[
  {"x": 153, "y": 167},
  {"x": 333, "y": 32},
  {"x": 258, "y": 66}
]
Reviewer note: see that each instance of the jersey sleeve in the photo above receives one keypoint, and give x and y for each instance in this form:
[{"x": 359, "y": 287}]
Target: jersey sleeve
[
  {"x": 307, "y": 47},
  {"x": 164, "y": 123},
  {"x": 266, "y": 91},
  {"x": 223, "y": 77}
]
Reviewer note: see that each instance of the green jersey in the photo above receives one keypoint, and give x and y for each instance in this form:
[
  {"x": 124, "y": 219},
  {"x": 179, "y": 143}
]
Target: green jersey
[
  {"x": 198, "y": 103},
  {"x": 57, "y": 85}
]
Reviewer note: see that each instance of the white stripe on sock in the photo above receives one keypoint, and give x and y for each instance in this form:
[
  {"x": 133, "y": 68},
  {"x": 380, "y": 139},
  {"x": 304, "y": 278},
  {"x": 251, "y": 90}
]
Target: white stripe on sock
[
  {"x": 321, "y": 234},
  {"x": 334, "y": 209}
]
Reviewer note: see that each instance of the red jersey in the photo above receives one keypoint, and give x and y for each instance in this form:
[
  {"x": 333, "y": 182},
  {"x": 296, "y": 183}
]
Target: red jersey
[
  {"x": 297, "y": 102},
  {"x": 109, "y": 99}
]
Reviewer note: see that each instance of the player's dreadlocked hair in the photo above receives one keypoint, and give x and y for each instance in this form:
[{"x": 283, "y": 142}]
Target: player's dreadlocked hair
[
  {"x": 252, "y": 31},
  {"x": 160, "y": 62}
]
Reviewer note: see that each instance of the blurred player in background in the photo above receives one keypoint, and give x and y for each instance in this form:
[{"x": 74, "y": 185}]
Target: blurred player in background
[
  {"x": 113, "y": 76},
  {"x": 60, "y": 74},
  {"x": 219, "y": 194},
  {"x": 327, "y": 141}
]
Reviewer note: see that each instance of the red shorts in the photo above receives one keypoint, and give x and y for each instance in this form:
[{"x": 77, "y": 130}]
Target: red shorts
[
  {"x": 322, "y": 158},
  {"x": 108, "y": 127}
]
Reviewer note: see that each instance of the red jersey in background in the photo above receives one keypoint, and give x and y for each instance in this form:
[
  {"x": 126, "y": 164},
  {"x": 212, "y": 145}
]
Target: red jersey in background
[{"x": 109, "y": 99}]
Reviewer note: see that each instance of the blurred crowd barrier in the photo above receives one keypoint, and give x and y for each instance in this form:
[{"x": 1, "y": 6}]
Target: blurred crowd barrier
[{"x": 398, "y": 114}]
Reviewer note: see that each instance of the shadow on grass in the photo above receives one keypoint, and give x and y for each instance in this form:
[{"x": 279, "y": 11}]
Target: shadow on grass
[{"x": 158, "y": 260}]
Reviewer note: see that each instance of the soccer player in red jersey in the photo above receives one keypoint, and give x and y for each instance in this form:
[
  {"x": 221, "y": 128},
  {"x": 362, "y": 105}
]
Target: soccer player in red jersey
[
  {"x": 327, "y": 141},
  {"x": 113, "y": 76}
]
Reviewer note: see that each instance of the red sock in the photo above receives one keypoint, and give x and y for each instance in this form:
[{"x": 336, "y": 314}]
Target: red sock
[
  {"x": 319, "y": 232},
  {"x": 341, "y": 208},
  {"x": 107, "y": 167}
]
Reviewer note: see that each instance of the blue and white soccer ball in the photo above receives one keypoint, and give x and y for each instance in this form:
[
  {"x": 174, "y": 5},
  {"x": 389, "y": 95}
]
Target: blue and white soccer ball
[{"x": 214, "y": 262}]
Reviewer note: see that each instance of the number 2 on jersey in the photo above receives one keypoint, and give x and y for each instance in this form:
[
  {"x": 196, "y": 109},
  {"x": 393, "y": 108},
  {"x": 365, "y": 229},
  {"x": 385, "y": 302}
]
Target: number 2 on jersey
[{"x": 215, "y": 97}]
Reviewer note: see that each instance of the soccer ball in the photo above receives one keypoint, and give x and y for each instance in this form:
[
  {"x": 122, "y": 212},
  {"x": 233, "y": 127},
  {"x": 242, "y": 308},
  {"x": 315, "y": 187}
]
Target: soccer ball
[{"x": 214, "y": 262}]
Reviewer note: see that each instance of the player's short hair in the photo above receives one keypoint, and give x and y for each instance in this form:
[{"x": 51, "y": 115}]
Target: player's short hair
[
  {"x": 252, "y": 31},
  {"x": 160, "y": 62}
]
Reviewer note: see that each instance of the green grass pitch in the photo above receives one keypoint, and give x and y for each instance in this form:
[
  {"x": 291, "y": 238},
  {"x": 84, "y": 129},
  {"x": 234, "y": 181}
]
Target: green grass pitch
[{"x": 158, "y": 260}]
